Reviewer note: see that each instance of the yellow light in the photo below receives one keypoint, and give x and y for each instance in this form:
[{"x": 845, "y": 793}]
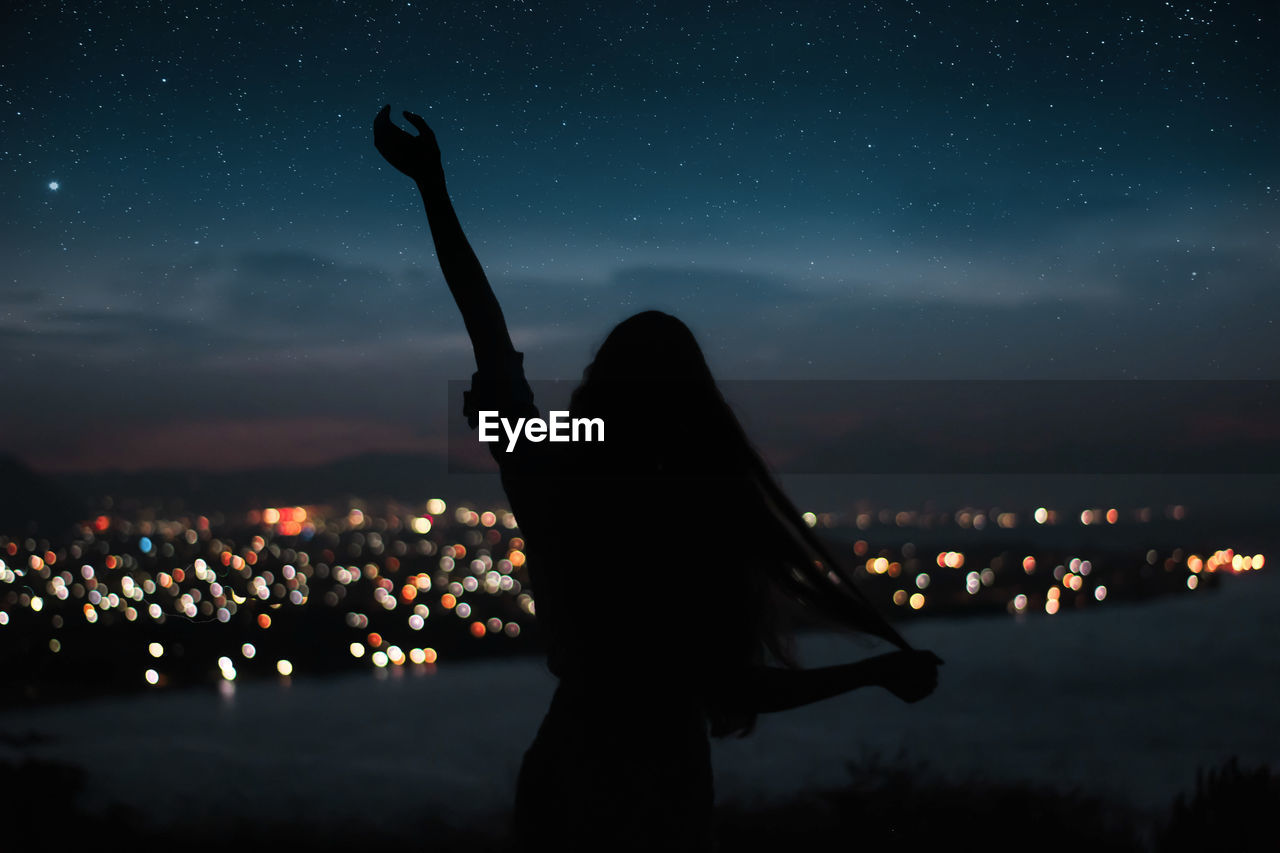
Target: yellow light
[
  {"x": 1051, "y": 606},
  {"x": 435, "y": 506},
  {"x": 917, "y": 601},
  {"x": 1042, "y": 515},
  {"x": 357, "y": 650},
  {"x": 152, "y": 676},
  {"x": 284, "y": 667},
  {"x": 155, "y": 649},
  {"x": 379, "y": 658}
]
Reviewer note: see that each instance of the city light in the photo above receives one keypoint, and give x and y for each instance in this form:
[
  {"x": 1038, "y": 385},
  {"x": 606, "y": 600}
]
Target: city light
[{"x": 202, "y": 586}]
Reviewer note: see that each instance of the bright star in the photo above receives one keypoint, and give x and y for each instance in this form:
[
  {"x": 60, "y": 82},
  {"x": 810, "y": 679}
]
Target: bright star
[{"x": 53, "y": 185}]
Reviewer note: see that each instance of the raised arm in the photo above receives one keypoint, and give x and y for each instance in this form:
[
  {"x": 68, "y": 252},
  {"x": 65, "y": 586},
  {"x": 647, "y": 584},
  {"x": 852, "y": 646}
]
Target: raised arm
[
  {"x": 909, "y": 675},
  {"x": 419, "y": 158}
]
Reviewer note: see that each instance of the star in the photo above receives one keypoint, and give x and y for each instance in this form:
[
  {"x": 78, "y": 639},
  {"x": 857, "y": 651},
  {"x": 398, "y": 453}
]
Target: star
[{"x": 53, "y": 185}]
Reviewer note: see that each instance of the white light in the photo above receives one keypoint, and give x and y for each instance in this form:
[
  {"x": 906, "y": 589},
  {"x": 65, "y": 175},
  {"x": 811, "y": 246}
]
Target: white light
[{"x": 53, "y": 185}]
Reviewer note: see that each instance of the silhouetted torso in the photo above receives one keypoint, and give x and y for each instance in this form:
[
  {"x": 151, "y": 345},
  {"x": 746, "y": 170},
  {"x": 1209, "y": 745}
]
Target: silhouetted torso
[{"x": 622, "y": 759}]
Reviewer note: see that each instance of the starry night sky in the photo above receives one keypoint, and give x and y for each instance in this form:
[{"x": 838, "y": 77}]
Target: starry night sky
[{"x": 207, "y": 264}]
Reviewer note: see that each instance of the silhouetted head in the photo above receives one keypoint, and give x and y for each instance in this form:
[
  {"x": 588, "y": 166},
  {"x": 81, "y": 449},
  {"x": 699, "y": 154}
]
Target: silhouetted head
[
  {"x": 662, "y": 411},
  {"x": 669, "y": 433},
  {"x": 650, "y": 346}
]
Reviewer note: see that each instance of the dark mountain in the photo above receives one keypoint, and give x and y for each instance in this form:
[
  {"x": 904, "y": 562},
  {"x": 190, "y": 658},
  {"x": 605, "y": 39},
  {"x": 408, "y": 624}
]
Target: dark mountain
[
  {"x": 31, "y": 502},
  {"x": 371, "y": 476}
]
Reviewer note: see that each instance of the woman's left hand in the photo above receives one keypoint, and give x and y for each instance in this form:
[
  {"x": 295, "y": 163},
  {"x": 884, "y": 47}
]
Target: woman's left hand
[{"x": 416, "y": 156}]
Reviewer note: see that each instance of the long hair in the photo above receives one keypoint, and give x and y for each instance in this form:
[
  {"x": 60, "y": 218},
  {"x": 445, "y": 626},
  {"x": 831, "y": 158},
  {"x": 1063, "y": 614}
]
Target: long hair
[{"x": 669, "y": 422}]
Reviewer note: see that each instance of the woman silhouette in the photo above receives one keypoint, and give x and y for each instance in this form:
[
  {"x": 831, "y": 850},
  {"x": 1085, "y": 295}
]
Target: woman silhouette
[{"x": 670, "y": 632}]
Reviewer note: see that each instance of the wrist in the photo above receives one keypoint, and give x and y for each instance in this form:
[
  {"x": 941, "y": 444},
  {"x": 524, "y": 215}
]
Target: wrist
[
  {"x": 430, "y": 182},
  {"x": 873, "y": 671}
]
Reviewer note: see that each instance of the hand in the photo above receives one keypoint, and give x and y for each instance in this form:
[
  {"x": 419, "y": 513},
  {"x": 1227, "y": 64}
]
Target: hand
[
  {"x": 910, "y": 675},
  {"x": 416, "y": 156}
]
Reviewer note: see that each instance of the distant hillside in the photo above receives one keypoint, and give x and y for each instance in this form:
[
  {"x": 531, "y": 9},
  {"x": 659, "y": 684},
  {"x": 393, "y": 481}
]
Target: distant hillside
[
  {"x": 394, "y": 476},
  {"x": 31, "y": 502}
]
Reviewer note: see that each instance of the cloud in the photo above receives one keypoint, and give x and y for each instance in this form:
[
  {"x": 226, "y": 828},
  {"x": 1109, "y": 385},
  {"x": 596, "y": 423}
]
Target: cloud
[
  {"x": 294, "y": 289},
  {"x": 1174, "y": 269},
  {"x": 683, "y": 286},
  {"x": 12, "y": 296},
  {"x": 247, "y": 302}
]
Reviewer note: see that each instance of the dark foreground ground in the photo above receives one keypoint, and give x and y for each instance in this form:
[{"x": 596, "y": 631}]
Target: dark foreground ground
[{"x": 885, "y": 807}]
